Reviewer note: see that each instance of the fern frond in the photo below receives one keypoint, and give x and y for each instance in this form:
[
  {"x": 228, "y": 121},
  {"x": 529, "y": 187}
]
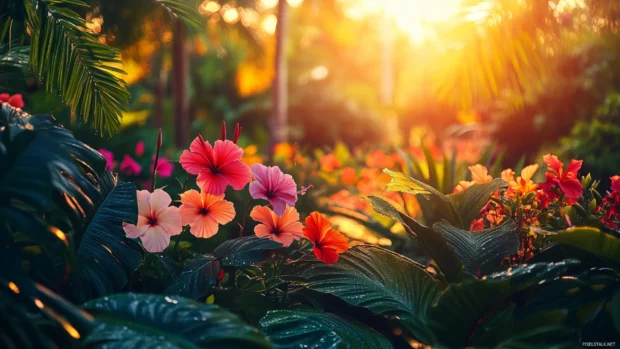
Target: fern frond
[
  {"x": 74, "y": 64},
  {"x": 184, "y": 10}
]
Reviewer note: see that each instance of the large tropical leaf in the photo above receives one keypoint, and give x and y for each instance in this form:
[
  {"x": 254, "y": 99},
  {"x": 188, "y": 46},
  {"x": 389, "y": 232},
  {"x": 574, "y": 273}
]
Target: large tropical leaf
[
  {"x": 106, "y": 258},
  {"x": 289, "y": 329},
  {"x": 382, "y": 281},
  {"x": 73, "y": 62},
  {"x": 197, "y": 279},
  {"x": 48, "y": 177},
  {"x": 244, "y": 251},
  {"x": 589, "y": 239},
  {"x": 463, "y": 308},
  {"x": 481, "y": 251},
  {"x": 433, "y": 243},
  {"x": 180, "y": 319},
  {"x": 470, "y": 201}
]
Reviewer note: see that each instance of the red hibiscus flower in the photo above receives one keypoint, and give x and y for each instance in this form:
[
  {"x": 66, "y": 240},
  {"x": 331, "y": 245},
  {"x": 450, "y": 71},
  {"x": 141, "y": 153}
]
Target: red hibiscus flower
[
  {"x": 567, "y": 180},
  {"x": 217, "y": 167},
  {"x": 328, "y": 243}
]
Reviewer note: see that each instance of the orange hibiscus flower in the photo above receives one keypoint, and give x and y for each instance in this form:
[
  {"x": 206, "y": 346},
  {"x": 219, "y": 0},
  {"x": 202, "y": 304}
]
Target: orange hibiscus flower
[
  {"x": 328, "y": 243},
  {"x": 204, "y": 212},
  {"x": 283, "y": 229}
]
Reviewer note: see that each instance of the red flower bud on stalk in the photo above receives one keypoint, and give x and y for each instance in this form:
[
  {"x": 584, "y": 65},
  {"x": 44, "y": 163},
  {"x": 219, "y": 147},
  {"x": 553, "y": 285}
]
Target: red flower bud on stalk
[
  {"x": 223, "y": 130},
  {"x": 237, "y": 133},
  {"x": 159, "y": 144}
]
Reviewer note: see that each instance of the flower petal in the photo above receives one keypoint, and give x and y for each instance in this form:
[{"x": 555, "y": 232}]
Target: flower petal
[
  {"x": 203, "y": 227},
  {"x": 191, "y": 198},
  {"x": 335, "y": 240},
  {"x": 211, "y": 183},
  {"x": 222, "y": 211},
  {"x": 572, "y": 188},
  {"x": 188, "y": 213},
  {"x": 285, "y": 239},
  {"x": 135, "y": 231},
  {"x": 264, "y": 215},
  {"x": 226, "y": 152},
  {"x": 144, "y": 203},
  {"x": 279, "y": 206},
  {"x": 316, "y": 227},
  {"x": 170, "y": 219},
  {"x": 237, "y": 174},
  {"x": 257, "y": 191},
  {"x": 159, "y": 201},
  {"x": 263, "y": 230},
  {"x": 528, "y": 172},
  {"x": 553, "y": 163},
  {"x": 155, "y": 239},
  {"x": 327, "y": 255},
  {"x": 573, "y": 168}
]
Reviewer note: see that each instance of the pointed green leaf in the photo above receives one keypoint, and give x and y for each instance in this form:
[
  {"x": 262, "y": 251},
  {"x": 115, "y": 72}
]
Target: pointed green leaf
[
  {"x": 289, "y": 329},
  {"x": 470, "y": 201},
  {"x": 197, "y": 279},
  {"x": 244, "y": 251},
  {"x": 481, "y": 251}
]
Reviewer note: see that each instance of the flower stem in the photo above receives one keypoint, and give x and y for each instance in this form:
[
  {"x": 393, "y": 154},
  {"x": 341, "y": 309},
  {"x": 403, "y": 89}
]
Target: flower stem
[{"x": 245, "y": 217}]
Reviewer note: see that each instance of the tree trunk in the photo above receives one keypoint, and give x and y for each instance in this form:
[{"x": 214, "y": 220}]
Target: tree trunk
[
  {"x": 179, "y": 88},
  {"x": 278, "y": 123}
]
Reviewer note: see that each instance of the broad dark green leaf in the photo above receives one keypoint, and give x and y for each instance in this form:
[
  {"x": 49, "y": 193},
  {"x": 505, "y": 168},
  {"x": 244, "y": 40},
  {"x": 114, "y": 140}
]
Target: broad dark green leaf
[
  {"x": 244, "y": 251},
  {"x": 481, "y": 251},
  {"x": 463, "y": 307},
  {"x": 197, "y": 279},
  {"x": 590, "y": 239},
  {"x": 204, "y": 325},
  {"x": 289, "y": 329},
  {"x": 106, "y": 258},
  {"x": 470, "y": 201},
  {"x": 118, "y": 335},
  {"x": 431, "y": 241},
  {"x": 382, "y": 281}
]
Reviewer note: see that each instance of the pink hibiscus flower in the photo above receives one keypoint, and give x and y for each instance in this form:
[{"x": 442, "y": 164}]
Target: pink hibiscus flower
[
  {"x": 157, "y": 220},
  {"x": 130, "y": 167},
  {"x": 109, "y": 157},
  {"x": 164, "y": 167},
  {"x": 274, "y": 186},
  {"x": 217, "y": 167}
]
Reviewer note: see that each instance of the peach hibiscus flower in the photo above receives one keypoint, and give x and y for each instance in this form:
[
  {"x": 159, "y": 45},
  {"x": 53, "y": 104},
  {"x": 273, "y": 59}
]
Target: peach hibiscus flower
[
  {"x": 157, "y": 220},
  {"x": 283, "y": 229},
  {"x": 204, "y": 212}
]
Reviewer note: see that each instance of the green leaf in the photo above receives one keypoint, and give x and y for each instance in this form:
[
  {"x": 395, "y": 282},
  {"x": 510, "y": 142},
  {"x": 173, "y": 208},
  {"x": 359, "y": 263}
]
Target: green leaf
[
  {"x": 481, "y": 251},
  {"x": 615, "y": 310},
  {"x": 382, "y": 281},
  {"x": 438, "y": 206},
  {"x": 106, "y": 258},
  {"x": 244, "y": 251},
  {"x": 305, "y": 329},
  {"x": 197, "y": 279},
  {"x": 470, "y": 201},
  {"x": 204, "y": 325},
  {"x": 111, "y": 334},
  {"x": 73, "y": 63},
  {"x": 186, "y": 11},
  {"x": 464, "y": 307},
  {"x": 590, "y": 239},
  {"x": 433, "y": 243}
]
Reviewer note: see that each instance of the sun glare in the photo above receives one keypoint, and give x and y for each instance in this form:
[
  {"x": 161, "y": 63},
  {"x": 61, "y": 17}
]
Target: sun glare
[{"x": 412, "y": 16}]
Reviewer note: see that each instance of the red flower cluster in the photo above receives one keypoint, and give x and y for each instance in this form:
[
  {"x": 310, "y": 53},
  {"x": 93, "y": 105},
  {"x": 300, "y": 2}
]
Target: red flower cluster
[
  {"x": 15, "y": 100},
  {"x": 611, "y": 203}
]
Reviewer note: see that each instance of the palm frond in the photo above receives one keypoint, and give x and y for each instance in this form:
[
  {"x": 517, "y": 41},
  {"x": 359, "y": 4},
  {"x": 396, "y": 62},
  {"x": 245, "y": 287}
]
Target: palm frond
[
  {"x": 184, "y": 10},
  {"x": 74, "y": 64}
]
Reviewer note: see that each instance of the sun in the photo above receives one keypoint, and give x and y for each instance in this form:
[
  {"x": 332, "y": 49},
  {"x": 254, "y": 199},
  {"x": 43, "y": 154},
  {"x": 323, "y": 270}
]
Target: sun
[{"x": 412, "y": 16}]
